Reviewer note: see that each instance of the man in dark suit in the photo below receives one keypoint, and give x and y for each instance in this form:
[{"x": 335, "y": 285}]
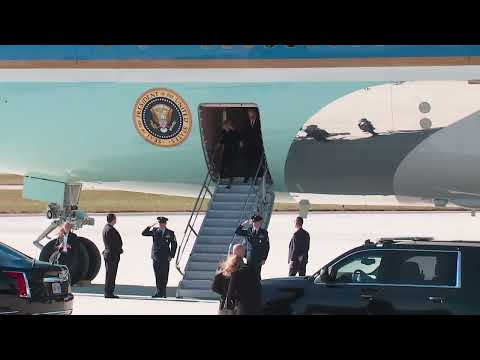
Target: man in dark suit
[
  {"x": 253, "y": 145},
  {"x": 298, "y": 250},
  {"x": 163, "y": 250},
  {"x": 113, "y": 248},
  {"x": 256, "y": 242}
]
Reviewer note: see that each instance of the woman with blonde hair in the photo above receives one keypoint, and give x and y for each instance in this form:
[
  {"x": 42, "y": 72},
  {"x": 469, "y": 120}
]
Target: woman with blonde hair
[{"x": 238, "y": 285}]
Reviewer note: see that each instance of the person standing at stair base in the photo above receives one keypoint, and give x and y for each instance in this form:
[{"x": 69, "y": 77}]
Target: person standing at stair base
[
  {"x": 298, "y": 250},
  {"x": 164, "y": 248},
  {"x": 256, "y": 242},
  {"x": 113, "y": 249}
]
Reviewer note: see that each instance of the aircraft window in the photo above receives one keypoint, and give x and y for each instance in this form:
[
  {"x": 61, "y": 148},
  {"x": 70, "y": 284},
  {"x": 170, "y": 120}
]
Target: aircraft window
[
  {"x": 269, "y": 46},
  {"x": 290, "y": 46},
  {"x": 227, "y": 46},
  {"x": 360, "y": 268},
  {"x": 425, "y": 123},
  {"x": 424, "y": 107}
]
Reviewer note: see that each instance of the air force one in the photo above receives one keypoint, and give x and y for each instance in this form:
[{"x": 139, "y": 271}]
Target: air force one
[{"x": 338, "y": 125}]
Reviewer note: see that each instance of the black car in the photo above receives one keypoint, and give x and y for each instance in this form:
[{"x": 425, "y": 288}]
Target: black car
[
  {"x": 29, "y": 286},
  {"x": 390, "y": 276}
]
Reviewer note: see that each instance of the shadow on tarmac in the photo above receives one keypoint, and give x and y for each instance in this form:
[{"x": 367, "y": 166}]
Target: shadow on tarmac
[{"x": 131, "y": 291}]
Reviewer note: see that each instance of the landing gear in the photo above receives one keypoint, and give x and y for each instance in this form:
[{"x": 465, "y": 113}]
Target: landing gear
[{"x": 83, "y": 258}]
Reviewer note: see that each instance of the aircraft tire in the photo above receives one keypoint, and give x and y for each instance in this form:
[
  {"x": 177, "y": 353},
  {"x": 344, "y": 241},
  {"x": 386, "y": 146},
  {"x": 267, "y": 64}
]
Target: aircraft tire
[
  {"x": 76, "y": 259},
  {"x": 94, "y": 257}
]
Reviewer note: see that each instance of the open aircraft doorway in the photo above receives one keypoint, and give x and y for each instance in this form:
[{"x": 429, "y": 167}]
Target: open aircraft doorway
[{"x": 222, "y": 127}]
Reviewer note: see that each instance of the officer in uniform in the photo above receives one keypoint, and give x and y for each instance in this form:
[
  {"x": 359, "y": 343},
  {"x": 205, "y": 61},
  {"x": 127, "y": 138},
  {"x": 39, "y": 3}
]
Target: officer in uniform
[
  {"x": 163, "y": 250},
  {"x": 257, "y": 243}
]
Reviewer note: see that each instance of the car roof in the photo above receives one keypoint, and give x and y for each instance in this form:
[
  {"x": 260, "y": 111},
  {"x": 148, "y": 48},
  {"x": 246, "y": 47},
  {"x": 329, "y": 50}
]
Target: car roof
[{"x": 424, "y": 244}]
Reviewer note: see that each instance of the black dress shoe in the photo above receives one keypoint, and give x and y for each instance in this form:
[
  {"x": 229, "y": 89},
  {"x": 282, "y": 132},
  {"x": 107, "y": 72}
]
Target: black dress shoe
[
  {"x": 111, "y": 296},
  {"x": 157, "y": 295},
  {"x": 246, "y": 180}
]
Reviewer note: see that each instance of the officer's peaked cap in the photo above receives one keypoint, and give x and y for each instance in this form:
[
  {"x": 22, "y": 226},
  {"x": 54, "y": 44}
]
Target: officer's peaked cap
[
  {"x": 257, "y": 218},
  {"x": 162, "y": 219}
]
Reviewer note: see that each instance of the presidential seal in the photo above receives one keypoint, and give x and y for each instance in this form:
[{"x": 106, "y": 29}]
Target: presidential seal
[{"x": 162, "y": 117}]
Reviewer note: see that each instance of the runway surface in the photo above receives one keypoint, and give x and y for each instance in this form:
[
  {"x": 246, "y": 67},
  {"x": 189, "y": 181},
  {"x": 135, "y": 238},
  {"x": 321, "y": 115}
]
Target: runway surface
[{"x": 331, "y": 234}]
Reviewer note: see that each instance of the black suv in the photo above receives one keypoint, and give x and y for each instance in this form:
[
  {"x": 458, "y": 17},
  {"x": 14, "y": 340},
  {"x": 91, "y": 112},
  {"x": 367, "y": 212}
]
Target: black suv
[{"x": 390, "y": 276}]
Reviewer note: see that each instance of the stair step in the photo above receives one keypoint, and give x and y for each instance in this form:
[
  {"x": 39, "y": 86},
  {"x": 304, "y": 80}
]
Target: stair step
[
  {"x": 236, "y": 197},
  {"x": 224, "y": 214},
  {"x": 225, "y": 231},
  {"x": 201, "y": 266},
  {"x": 196, "y": 284},
  {"x": 235, "y": 206},
  {"x": 235, "y": 189},
  {"x": 209, "y": 257},
  {"x": 214, "y": 239},
  {"x": 220, "y": 222},
  {"x": 199, "y": 275},
  {"x": 197, "y": 294},
  {"x": 211, "y": 249}
]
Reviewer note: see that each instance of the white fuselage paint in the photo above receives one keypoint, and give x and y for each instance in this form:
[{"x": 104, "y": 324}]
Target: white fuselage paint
[{"x": 212, "y": 75}]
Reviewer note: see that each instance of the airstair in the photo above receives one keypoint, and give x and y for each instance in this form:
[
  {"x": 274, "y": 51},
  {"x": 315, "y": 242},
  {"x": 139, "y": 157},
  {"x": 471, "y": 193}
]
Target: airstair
[{"x": 209, "y": 245}]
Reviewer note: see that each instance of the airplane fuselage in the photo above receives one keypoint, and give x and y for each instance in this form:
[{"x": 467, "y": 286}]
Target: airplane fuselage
[{"x": 70, "y": 116}]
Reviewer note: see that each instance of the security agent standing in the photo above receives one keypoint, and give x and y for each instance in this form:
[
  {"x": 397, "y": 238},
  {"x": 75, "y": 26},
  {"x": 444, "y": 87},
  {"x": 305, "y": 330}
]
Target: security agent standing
[
  {"x": 163, "y": 250},
  {"x": 258, "y": 244},
  {"x": 298, "y": 250},
  {"x": 111, "y": 254}
]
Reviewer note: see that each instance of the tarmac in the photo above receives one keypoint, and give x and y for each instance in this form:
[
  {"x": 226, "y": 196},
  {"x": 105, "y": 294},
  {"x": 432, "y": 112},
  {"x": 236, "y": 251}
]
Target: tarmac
[{"x": 332, "y": 233}]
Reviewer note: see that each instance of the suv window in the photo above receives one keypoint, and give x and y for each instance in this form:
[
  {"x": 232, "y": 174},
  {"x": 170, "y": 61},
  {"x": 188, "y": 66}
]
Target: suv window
[
  {"x": 434, "y": 268},
  {"x": 362, "y": 267}
]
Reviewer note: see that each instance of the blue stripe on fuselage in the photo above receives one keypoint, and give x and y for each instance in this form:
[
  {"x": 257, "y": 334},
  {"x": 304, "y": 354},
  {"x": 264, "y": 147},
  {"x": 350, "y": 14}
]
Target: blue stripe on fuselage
[{"x": 159, "y": 52}]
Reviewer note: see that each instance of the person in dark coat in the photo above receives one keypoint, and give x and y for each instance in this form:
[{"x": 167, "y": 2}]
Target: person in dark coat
[
  {"x": 221, "y": 281},
  {"x": 298, "y": 250},
  {"x": 256, "y": 242},
  {"x": 238, "y": 285},
  {"x": 164, "y": 248},
  {"x": 113, "y": 249},
  {"x": 231, "y": 141},
  {"x": 253, "y": 145}
]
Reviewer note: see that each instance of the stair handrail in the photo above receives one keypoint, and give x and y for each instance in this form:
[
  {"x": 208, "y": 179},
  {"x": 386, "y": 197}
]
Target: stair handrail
[
  {"x": 209, "y": 177},
  {"x": 251, "y": 190},
  {"x": 192, "y": 220}
]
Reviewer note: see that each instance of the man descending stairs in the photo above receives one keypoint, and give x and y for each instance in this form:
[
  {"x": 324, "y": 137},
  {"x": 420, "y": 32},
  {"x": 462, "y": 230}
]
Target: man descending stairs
[{"x": 226, "y": 210}]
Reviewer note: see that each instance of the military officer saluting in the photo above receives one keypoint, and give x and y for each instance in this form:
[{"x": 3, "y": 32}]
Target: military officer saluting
[
  {"x": 163, "y": 250},
  {"x": 258, "y": 244}
]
